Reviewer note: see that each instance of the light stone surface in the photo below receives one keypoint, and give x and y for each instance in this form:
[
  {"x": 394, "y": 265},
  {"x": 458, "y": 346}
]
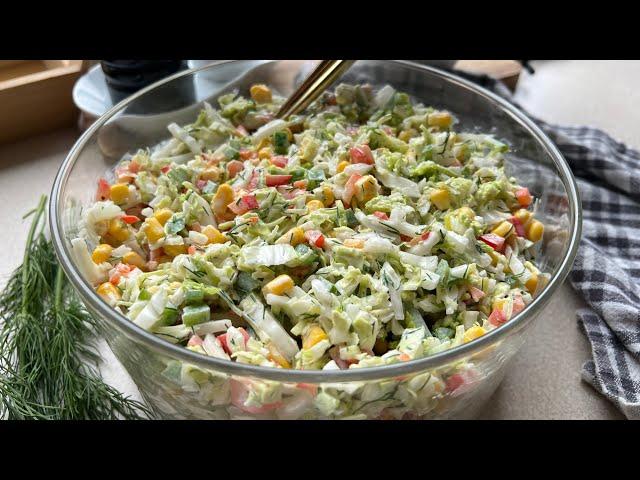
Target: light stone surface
[{"x": 543, "y": 382}]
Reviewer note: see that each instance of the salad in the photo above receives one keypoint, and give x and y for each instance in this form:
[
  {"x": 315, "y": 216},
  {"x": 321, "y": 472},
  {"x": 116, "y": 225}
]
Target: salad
[{"x": 364, "y": 232}]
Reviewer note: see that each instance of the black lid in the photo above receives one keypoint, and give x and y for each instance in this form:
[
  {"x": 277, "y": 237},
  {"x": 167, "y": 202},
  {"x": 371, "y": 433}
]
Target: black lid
[
  {"x": 127, "y": 67},
  {"x": 124, "y": 77}
]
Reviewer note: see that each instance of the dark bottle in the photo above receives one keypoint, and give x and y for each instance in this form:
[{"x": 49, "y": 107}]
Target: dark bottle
[{"x": 125, "y": 77}]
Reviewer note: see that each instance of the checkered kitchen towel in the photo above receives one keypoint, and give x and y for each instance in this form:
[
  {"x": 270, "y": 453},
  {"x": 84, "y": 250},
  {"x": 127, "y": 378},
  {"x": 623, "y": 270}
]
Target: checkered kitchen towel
[{"x": 607, "y": 267}]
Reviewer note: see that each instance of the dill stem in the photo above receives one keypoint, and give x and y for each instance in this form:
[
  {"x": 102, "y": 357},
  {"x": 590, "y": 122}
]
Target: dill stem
[
  {"x": 57, "y": 299},
  {"x": 27, "y": 251}
]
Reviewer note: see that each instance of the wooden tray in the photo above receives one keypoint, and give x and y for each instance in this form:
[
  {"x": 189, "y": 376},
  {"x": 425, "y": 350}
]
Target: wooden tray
[
  {"x": 35, "y": 96},
  {"x": 506, "y": 70}
]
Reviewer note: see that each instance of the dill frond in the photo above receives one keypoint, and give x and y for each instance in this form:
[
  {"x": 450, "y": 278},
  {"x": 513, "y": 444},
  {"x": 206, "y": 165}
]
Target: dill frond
[{"x": 48, "y": 356}]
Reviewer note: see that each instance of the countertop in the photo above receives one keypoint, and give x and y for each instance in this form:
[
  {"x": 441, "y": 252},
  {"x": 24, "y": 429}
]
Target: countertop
[{"x": 543, "y": 382}]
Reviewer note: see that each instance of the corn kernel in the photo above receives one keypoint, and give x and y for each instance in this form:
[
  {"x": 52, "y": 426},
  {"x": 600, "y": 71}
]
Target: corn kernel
[
  {"x": 260, "y": 93},
  {"x": 211, "y": 173},
  {"x": 297, "y": 236},
  {"x": 503, "y": 229},
  {"x": 407, "y": 135},
  {"x": 523, "y": 215},
  {"x": 134, "y": 258},
  {"x": 440, "y": 119},
  {"x": 152, "y": 228},
  {"x": 440, "y": 199},
  {"x": 314, "y": 205},
  {"x": 535, "y": 230},
  {"x": 467, "y": 213},
  {"x": 276, "y": 356},
  {"x": 278, "y": 285},
  {"x": 473, "y": 333},
  {"x": 354, "y": 243},
  {"x": 341, "y": 166},
  {"x": 118, "y": 230},
  {"x": 293, "y": 237},
  {"x": 265, "y": 153},
  {"x": 109, "y": 292},
  {"x": 366, "y": 188},
  {"x": 328, "y": 196},
  {"x": 101, "y": 253},
  {"x": 312, "y": 336},
  {"x": 495, "y": 257},
  {"x": 222, "y": 198},
  {"x": 499, "y": 303},
  {"x": 265, "y": 142},
  {"x": 532, "y": 283},
  {"x": 163, "y": 215},
  {"x": 174, "y": 250},
  {"x": 213, "y": 235},
  {"x": 119, "y": 192}
]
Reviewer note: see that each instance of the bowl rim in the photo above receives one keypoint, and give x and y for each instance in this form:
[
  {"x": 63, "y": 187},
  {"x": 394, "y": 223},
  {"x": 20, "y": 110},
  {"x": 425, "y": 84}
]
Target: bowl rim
[{"x": 157, "y": 344}]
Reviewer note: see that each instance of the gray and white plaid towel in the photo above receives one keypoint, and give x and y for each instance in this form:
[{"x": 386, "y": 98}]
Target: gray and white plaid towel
[
  {"x": 606, "y": 271},
  {"x": 607, "y": 268}
]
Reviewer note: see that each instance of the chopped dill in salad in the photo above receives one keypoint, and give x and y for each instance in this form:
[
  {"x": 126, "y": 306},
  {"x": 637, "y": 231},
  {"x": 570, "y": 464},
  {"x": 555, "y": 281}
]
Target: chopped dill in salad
[{"x": 367, "y": 231}]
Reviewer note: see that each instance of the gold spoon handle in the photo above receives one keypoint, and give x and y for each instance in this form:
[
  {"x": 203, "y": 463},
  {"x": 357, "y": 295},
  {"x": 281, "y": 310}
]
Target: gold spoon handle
[{"x": 322, "y": 77}]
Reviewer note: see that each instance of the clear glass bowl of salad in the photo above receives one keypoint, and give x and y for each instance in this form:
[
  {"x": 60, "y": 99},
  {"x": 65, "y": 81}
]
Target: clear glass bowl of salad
[{"x": 380, "y": 256}]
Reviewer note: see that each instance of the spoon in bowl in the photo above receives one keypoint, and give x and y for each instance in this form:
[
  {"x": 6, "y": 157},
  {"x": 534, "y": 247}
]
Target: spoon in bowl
[
  {"x": 129, "y": 131},
  {"x": 321, "y": 78}
]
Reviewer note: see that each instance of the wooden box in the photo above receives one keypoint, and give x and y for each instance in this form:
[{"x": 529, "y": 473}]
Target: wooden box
[
  {"x": 35, "y": 96},
  {"x": 506, "y": 70}
]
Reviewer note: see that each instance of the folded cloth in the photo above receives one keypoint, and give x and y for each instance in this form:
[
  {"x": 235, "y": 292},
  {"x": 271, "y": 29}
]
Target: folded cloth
[
  {"x": 607, "y": 268},
  {"x": 606, "y": 271}
]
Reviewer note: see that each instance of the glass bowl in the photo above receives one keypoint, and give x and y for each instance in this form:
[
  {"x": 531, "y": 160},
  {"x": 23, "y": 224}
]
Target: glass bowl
[{"x": 179, "y": 383}]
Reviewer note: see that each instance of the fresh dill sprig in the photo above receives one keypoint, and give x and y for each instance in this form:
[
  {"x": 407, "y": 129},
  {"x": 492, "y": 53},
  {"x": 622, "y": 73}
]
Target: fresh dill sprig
[{"x": 47, "y": 344}]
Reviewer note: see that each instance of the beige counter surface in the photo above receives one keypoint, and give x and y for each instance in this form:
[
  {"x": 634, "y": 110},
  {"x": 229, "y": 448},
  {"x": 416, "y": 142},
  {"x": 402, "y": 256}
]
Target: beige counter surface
[{"x": 543, "y": 382}]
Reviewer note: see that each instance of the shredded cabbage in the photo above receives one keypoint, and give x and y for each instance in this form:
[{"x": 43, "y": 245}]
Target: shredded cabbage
[{"x": 364, "y": 232}]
